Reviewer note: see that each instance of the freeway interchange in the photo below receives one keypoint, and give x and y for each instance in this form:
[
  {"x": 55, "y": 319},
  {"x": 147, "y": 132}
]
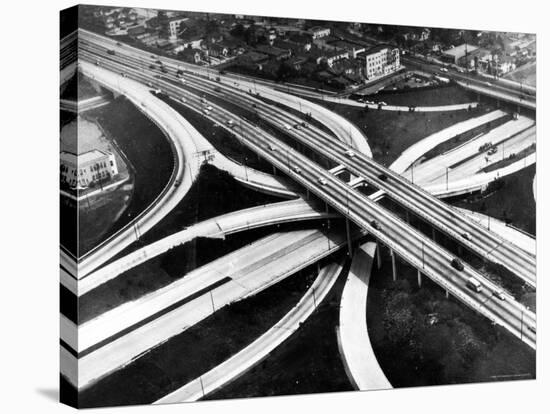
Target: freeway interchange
[{"x": 212, "y": 94}]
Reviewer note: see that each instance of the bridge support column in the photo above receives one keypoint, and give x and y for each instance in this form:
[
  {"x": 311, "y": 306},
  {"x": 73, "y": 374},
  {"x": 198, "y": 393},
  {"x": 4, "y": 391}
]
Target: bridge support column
[
  {"x": 407, "y": 218},
  {"x": 460, "y": 250},
  {"x": 348, "y": 235},
  {"x": 419, "y": 278},
  {"x": 433, "y": 233},
  {"x": 274, "y": 171},
  {"x": 446, "y": 293},
  {"x": 393, "y": 268},
  {"x": 307, "y": 194},
  {"x": 378, "y": 256}
]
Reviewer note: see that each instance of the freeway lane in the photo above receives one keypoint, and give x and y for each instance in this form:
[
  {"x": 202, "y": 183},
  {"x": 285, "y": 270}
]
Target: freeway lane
[
  {"x": 435, "y": 212},
  {"x": 243, "y": 275},
  {"x": 217, "y": 227},
  {"x": 239, "y": 363},
  {"x": 415, "y": 248}
]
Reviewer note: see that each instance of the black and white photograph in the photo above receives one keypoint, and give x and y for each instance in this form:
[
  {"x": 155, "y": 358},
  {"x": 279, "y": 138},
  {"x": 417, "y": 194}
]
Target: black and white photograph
[
  {"x": 259, "y": 206},
  {"x": 272, "y": 207}
]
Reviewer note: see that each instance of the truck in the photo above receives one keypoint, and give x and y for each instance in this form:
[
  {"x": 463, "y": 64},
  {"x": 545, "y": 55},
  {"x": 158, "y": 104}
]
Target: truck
[{"x": 474, "y": 284}]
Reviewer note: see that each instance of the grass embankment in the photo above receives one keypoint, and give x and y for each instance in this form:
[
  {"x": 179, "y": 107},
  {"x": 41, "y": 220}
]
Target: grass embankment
[
  {"x": 421, "y": 338},
  {"x": 390, "y": 133},
  {"x": 308, "y": 362},
  {"x": 442, "y": 95},
  {"x": 149, "y": 153},
  {"x": 199, "y": 348}
]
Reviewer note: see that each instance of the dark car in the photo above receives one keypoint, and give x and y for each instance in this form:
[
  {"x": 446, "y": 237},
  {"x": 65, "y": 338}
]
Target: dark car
[
  {"x": 375, "y": 224},
  {"x": 457, "y": 264},
  {"x": 383, "y": 177},
  {"x": 111, "y": 52}
]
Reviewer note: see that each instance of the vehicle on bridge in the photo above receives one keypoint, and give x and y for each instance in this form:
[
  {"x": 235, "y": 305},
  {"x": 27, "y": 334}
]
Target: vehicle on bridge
[
  {"x": 322, "y": 181},
  {"x": 350, "y": 153},
  {"x": 297, "y": 169},
  {"x": 467, "y": 236},
  {"x": 110, "y": 52},
  {"x": 375, "y": 225},
  {"x": 457, "y": 264},
  {"x": 474, "y": 284},
  {"x": 383, "y": 177},
  {"x": 499, "y": 294}
]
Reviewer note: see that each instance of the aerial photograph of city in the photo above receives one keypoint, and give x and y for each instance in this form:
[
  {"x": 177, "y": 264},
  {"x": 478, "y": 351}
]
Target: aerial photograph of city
[{"x": 263, "y": 206}]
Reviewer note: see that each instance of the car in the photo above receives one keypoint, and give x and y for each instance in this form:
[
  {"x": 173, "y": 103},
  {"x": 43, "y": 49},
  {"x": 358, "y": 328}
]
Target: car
[
  {"x": 203, "y": 100},
  {"x": 149, "y": 84},
  {"x": 123, "y": 74},
  {"x": 154, "y": 56},
  {"x": 177, "y": 183},
  {"x": 158, "y": 61},
  {"x": 461, "y": 70},
  {"x": 97, "y": 62},
  {"x": 488, "y": 84},
  {"x": 382, "y": 103},
  {"x": 163, "y": 69},
  {"x": 209, "y": 107},
  {"x": 532, "y": 328},
  {"x": 152, "y": 67},
  {"x": 183, "y": 99},
  {"x": 322, "y": 181},
  {"x": 375, "y": 224},
  {"x": 444, "y": 69},
  {"x": 217, "y": 89},
  {"x": 182, "y": 81},
  {"x": 474, "y": 284},
  {"x": 457, "y": 264},
  {"x": 467, "y": 235},
  {"x": 492, "y": 151},
  {"x": 383, "y": 177},
  {"x": 297, "y": 169},
  {"x": 304, "y": 125},
  {"x": 297, "y": 126},
  {"x": 272, "y": 147},
  {"x": 499, "y": 294},
  {"x": 206, "y": 111},
  {"x": 287, "y": 127},
  {"x": 157, "y": 91},
  {"x": 230, "y": 123},
  {"x": 118, "y": 44},
  {"x": 110, "y": 52},
  {"x": 350, "y": 153}
]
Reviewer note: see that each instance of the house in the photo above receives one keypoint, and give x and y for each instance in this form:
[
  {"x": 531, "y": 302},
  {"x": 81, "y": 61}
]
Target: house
[
  {"x": 334, "y": 55},
  {"x": 318, "y": 32},
  {"x": 304, "y": 41},
  {"x": 217, "y": 50},
  {"x": 173, "y": 26},
  {"x": 191, "y": 55},
  {"x": 353, "y": 48},
  {"x": 457, "y": 53},
  {"x": 273, "y": 52},
  {"x": 297, "y": 62}
]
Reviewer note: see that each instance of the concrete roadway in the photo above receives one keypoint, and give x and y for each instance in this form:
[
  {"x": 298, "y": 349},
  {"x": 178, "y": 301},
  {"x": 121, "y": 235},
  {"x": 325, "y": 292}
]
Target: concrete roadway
[
  {"x": 178, "y": 129},
  {"x": 359, "y": 359},
  {"x": 417, "y": 150},
  {"x": 254, "y": 353},
  {"x": 240, "y": 274},
  {"x": 435, "y": 260},
  {"x": 341, "y": 127},
  {"x": 217, "y": 227},
  {"x": 466, "y": 160}
]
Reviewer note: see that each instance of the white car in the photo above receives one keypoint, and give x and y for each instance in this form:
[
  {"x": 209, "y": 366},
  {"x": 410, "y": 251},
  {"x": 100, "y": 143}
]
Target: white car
[
  {"x": 209, "y": 107},
  {"x": 206, "y": 111},
  {"x": 183, "y": 99},
  {"x": 488, "y": 84},
  {"x": 272, "y": 147},
  {"x": 499, "y": 294},
  {"x": 287, "y": 127},
  {"x": 297, "y": 169},
  {"x": 322, "y": 181},
  {"x": 467, "y": 236},
  {"x": 182, "y": 80},
  {"x": 444, "y": 70},
  {"x": 230, "y": 122},
  {"x": 350, "y": 153}
]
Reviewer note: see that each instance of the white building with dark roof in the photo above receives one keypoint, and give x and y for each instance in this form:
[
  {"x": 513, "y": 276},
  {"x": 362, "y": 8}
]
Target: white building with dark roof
[{"x": 86, "y": 168}]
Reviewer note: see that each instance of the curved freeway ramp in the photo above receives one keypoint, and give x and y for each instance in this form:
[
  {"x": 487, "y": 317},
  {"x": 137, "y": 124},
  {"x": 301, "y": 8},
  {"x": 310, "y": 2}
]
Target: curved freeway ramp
[
  {"x": 217, "y": 227},
  {"x": 353, "y": 337},
  {"x": 187, "y": 142},
  {"x": 254, "y": 353}
]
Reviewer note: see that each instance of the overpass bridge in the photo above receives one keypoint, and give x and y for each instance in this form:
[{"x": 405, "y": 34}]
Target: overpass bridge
[{"x": 415, "y": 248}]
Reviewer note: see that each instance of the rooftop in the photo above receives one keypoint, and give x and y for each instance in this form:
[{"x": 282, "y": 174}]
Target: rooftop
[{"x": 459, "y": 51}]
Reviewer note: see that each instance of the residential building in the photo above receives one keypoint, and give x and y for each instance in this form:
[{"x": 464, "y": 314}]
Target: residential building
[
  {"x": 380, "y": 61},
  {"x": 87, "y": 168},
  {"x": 318, "y": 32},
  {"x": 173, "y": 26}
]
